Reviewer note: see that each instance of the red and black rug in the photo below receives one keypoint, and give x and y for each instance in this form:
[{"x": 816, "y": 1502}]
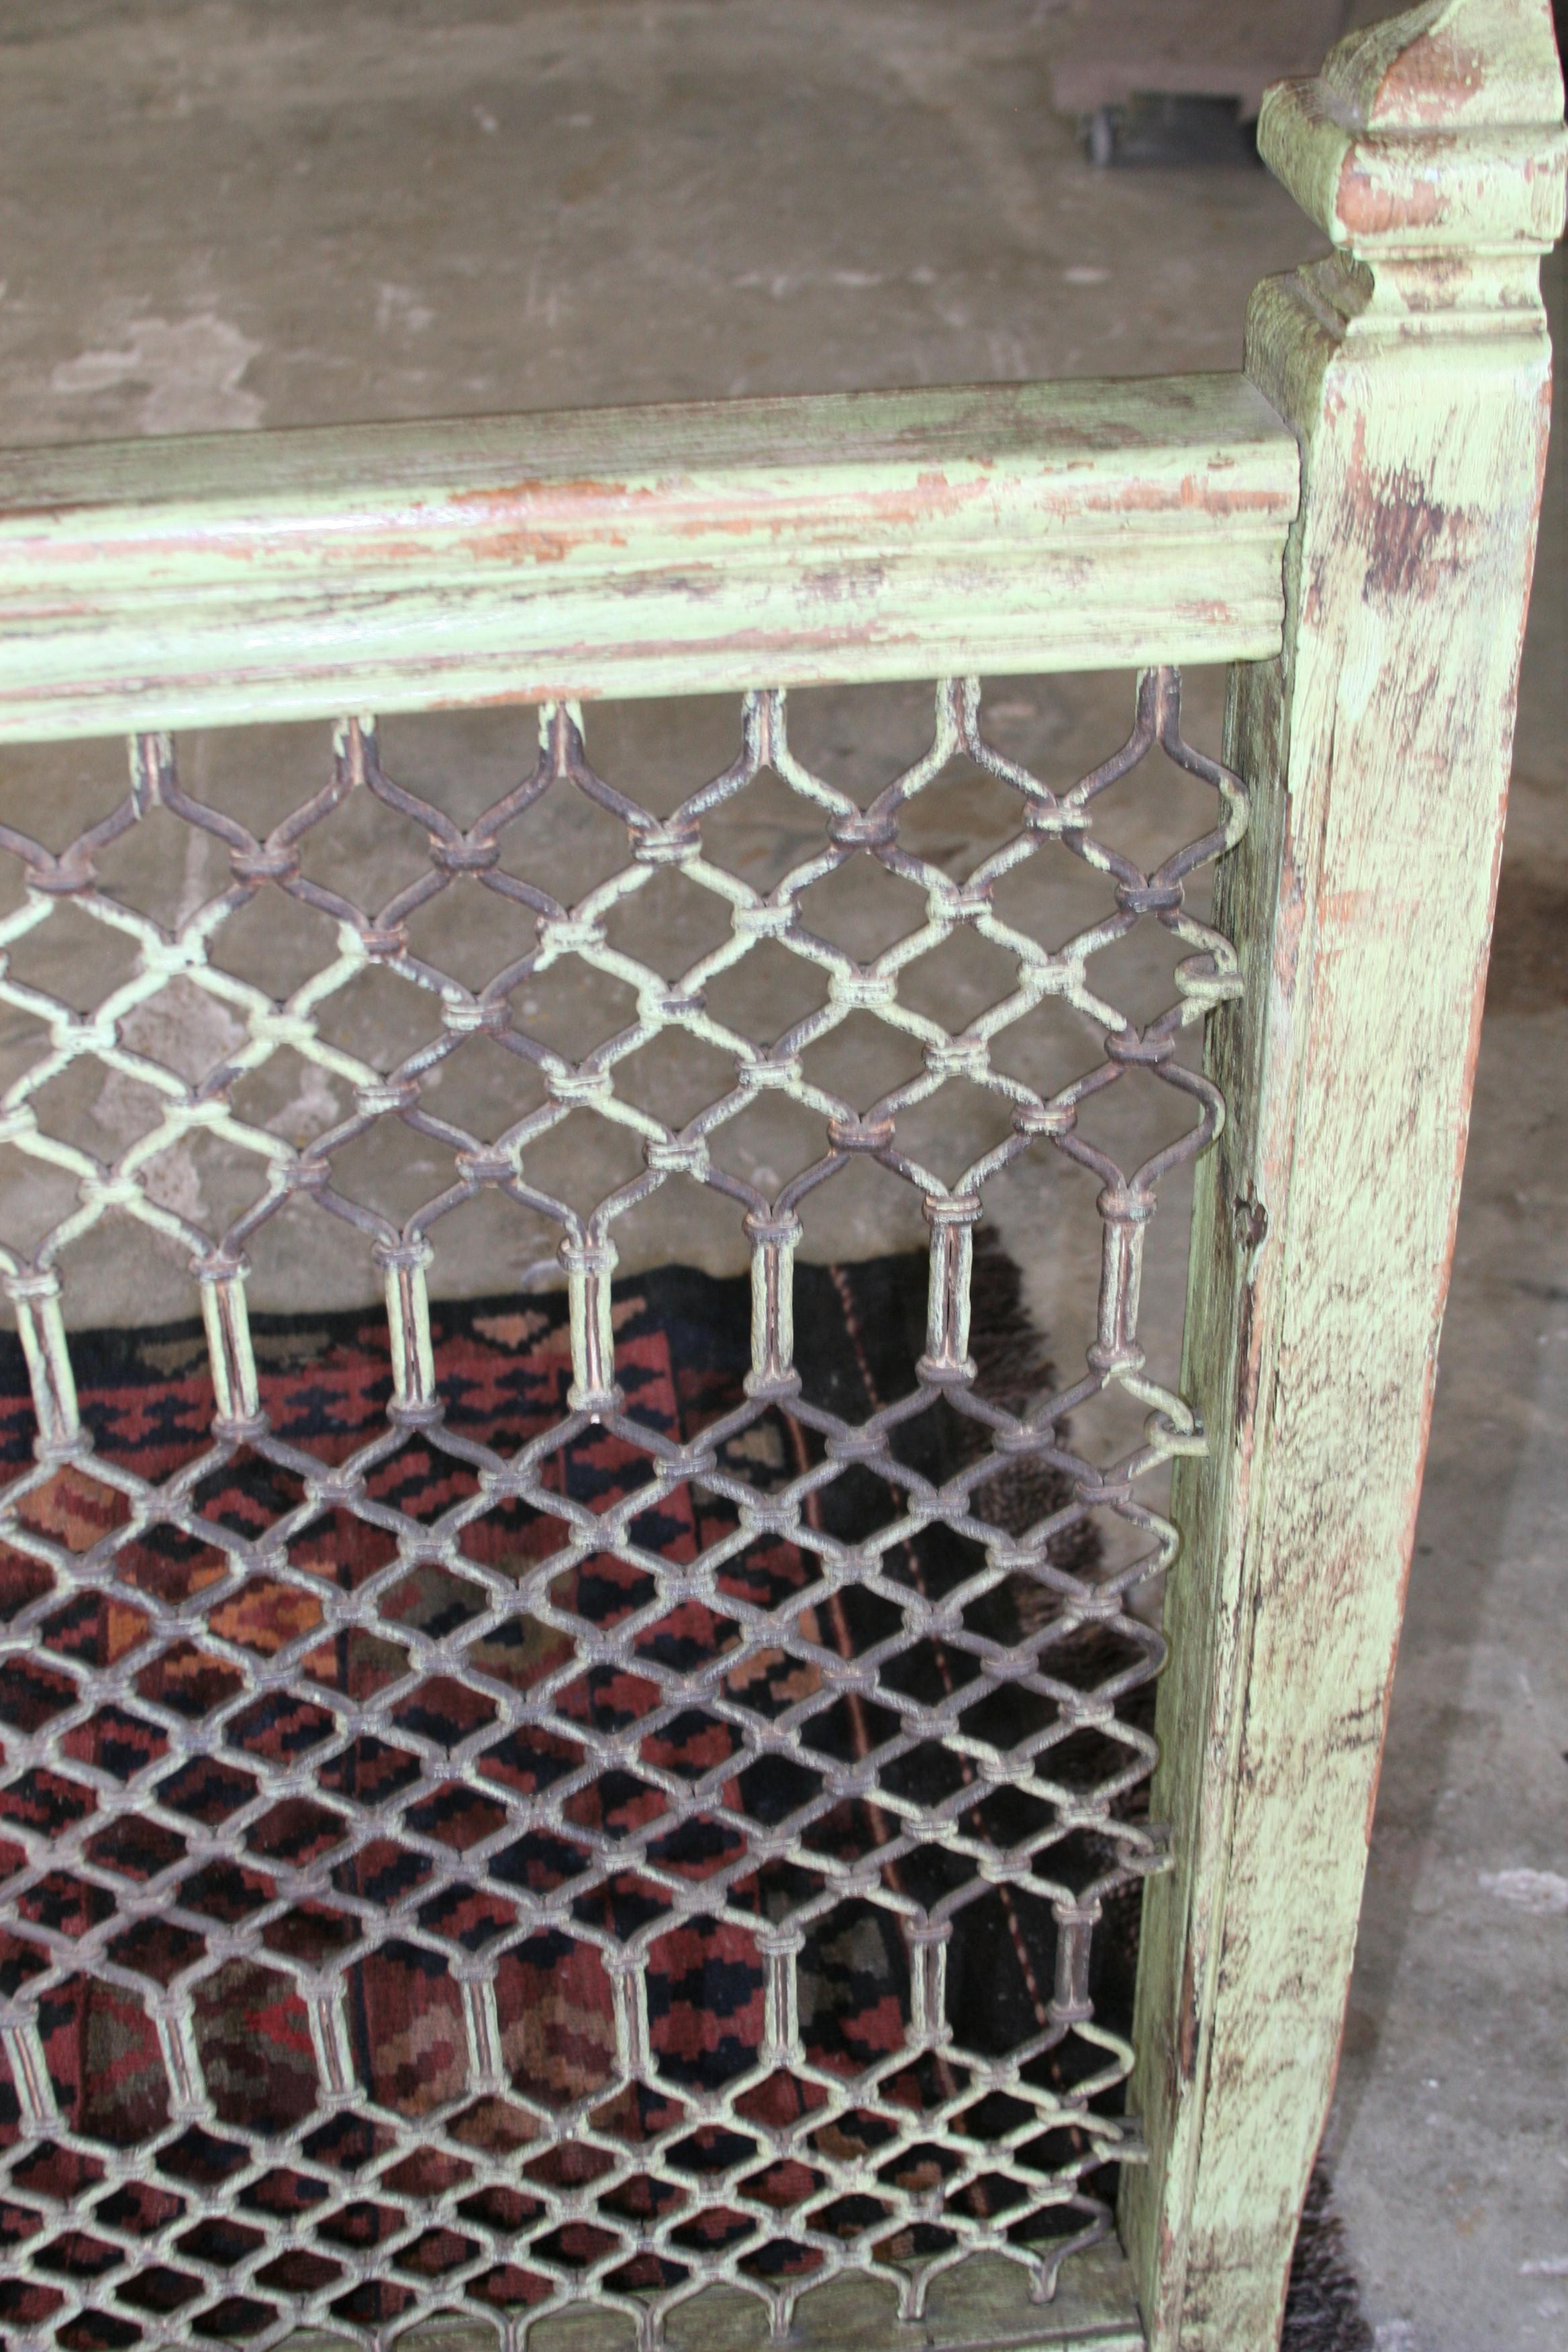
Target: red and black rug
[{"x": 504, "y": 1367}]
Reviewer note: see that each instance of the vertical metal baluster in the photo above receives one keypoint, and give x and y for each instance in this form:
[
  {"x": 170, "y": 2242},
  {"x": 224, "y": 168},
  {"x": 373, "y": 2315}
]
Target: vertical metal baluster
[
  {"x": 589, "y": 1268},
  {"x": 481, "y": 2020},
  {"x": 23, "y": 2048},
  {"x": 628, "y": 1989},
  {"x": 326, "y": 2006},
  {"x": 780, "y": 1949},
  {"x": 226, "y": 1318},
  {"x": 928, "y": 1945},
  {"x": 408, "y": 1324},
  {"x": 953, "y": 1221},
  {"x": 173, "y": 2021},
  {"x": 1070, "y": 2003},
  {"x": 41, "y": 1328},
  {"x": 151, "y": 769},
  {"x": 774, "y": 1244},
  {"x": 1126, "y": 1215}
]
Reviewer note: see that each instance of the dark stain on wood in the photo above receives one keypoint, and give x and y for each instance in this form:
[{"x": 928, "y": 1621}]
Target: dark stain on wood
[
  {"x": 1187, "y": 2024},
  {"x": 1251, "y": 1230},
  {"x": 1405, "y": 528}
]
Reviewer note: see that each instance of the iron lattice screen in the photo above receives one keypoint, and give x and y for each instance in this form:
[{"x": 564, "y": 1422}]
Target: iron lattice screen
[{"x": 529, "y": 1806}]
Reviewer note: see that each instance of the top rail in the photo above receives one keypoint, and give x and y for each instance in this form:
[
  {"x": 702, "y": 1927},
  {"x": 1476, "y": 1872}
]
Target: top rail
[{"x": 226, "y": 579}]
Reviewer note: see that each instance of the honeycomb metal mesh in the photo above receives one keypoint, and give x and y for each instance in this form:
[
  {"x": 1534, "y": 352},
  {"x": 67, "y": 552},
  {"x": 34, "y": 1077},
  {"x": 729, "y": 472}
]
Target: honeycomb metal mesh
[{"x": 482, "y": 2189}]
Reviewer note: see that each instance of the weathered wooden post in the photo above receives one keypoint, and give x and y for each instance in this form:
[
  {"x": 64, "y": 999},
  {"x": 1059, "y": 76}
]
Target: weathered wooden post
[{"x": 1415, "y": 366}]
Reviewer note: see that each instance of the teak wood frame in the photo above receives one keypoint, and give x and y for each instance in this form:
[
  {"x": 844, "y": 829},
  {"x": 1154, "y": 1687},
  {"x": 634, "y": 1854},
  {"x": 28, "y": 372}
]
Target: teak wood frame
[{"x": 1351, "y": 525}]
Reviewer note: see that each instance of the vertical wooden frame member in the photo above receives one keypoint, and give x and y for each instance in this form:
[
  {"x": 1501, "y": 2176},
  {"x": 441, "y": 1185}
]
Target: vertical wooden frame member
[{"x": 1413, "y": 364}]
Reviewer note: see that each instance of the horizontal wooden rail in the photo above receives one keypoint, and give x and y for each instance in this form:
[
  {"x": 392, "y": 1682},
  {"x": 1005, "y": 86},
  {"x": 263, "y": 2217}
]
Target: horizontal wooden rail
[{"x": 869, "y": 535}]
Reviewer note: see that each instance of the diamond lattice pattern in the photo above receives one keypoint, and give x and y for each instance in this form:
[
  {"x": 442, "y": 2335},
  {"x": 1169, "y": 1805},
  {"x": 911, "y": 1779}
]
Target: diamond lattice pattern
[{"x": 596, "y": 1829}]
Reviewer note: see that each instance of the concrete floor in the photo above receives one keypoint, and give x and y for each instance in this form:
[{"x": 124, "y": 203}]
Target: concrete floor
[{"x": 214, "y": 214}]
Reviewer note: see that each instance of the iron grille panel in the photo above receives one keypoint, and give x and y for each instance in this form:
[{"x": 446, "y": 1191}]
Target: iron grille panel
[{"x": 499, "y": 2171}]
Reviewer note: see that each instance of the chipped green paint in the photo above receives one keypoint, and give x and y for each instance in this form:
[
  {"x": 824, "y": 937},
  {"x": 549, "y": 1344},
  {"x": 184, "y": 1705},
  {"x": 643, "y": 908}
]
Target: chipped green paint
[
  {"x": 701, "y": 550},
  {"x": 879, "y": 535},
  {"x": 1414, "y": 365}
]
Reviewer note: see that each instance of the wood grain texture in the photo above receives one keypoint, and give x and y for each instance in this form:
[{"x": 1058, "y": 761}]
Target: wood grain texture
[
  {"x": 1377, "y": 752},
  {"x": 294, "y": 576}
]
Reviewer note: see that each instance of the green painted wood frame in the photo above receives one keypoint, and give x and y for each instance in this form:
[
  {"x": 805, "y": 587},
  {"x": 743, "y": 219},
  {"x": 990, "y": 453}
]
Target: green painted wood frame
[
  {"x": 778, "y": 542},
  {"x": 1415, "y": 366},
  {"x": 1350, "y": 524}
]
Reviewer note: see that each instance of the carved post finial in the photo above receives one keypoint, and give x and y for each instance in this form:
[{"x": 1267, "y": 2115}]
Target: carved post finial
[{"x": 1435, "y": 135}]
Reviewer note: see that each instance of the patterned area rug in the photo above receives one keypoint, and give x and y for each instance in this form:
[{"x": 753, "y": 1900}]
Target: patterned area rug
[{"x": 504, "y": 1367}]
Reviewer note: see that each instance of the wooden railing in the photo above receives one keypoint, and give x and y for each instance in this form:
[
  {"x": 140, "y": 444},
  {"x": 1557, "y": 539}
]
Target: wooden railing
[
  {"x": 674, "y": 550},
  {"x": 1351, "y": 525}
]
